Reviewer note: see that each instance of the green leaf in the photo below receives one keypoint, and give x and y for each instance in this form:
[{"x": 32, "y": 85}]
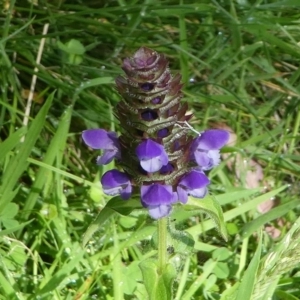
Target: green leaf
[
  {"x": 284, "y": 295},
  {"x": 51, "y": 282},
  {"x": 182, "y": 241},
  {"x": 73, "y": 51},
  {"x": 7, "y": 288},
  {"x": 273, "y": 214},
  {"x": 235, "y": 194},
  {"x": 123, "y": 207},
  {"x": 75, "y": 59},
  {"x": 221, "y": 254},
  {"x": 18, "y": 163},
  {"x": 230, "y": 293},
  {"x": 236, "y": 211},
  {"x": 114, "y": 205},
  {"x": 11, "y": 142},
  {"x": 17, "y": 253},
  {"x": 131, "y": 274},
  {"x": 208, "y": 269},
  {"x": 72, "y": 47},
  {"x": 13, "y": 229},
  {"x": 232, "y": 228},
  {"x": 53, "y": 151},
  {"x": 95, "y": 82},
  {"x": 221, "y": 270},
  {"x": 10, "y": 211},
  {"x": 247, "y": 285},
  {"x": 212, "y": 207},
  {"x": 127, "y": 222},
  {"x": 158, "y": 286},
  {"x": 10, "y": 223}
]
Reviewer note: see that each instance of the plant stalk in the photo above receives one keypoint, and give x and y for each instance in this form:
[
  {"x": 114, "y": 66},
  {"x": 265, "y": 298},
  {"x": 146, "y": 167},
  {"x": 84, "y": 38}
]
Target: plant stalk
[{"x": 162, "y": 244}]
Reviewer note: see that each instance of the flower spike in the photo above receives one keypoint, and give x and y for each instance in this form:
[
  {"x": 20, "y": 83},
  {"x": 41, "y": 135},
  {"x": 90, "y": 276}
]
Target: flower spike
[{"x": 156, "y": 150}]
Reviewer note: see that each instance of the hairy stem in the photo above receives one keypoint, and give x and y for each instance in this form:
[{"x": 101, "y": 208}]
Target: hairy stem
[{"x": 162, "y": 244}]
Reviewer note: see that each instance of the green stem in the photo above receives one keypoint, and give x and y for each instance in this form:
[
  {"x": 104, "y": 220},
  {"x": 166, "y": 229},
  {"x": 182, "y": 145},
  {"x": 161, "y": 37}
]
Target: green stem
[{"x": 162, "y": 244}]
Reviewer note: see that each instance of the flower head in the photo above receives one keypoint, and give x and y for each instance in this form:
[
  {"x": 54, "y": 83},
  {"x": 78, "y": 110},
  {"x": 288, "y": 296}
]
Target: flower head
[
  {"x": 158, "y": 156},
  {"x": 205, "y": 148},
  {"x": 107, "y": 141}
]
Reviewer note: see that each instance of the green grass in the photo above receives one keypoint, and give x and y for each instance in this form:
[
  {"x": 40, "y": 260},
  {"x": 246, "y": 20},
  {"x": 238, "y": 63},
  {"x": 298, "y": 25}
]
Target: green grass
[{"x": 239, "y": 62}]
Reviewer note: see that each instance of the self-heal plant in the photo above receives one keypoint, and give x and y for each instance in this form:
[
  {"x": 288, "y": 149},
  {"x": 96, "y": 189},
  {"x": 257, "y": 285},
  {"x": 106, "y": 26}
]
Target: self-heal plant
[
  {"x": 157, "y": 155},
  {"x": 155, "y": 151}
]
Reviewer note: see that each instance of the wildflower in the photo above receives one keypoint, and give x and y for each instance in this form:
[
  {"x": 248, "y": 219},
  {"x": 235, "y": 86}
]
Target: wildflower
[
  {"x": 159, "y": 157},
  {"x": 115, "y": 182},
  {"x": 205, "y": 148},
  {"x": 194, "y": 184},
  {"x": 158, "y": 199},
  {"x": 101, "y": 139},
  {"x": 152, "y": 155}
]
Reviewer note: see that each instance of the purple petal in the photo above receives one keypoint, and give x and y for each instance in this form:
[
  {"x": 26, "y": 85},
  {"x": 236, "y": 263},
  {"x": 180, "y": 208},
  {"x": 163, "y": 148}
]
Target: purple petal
[
  {"x": 100, "y": 139},
  {"x": 148, "y": 149},
  {"x": 207, "y": 159},
  {"x": 115, "y": 182},
  {"x": 152, "y": 156},
  {"x": 151, "y": 165},
  {"x": 214, "y": 156},
  {"x": 194, "y": 179},
  {"x": 157, "y": 194},
  {"x": 199, "y": 193},
  {"x": 194, "y": 183},
  {"x": 202, "y": 158},
  {"x": 107, "y": 157},
  {"x": 107, "y": 141},
  {"x": 159, "y": 211},
  {"x": 114, "y": 138},
  {"x": 213, "y": 139},
  {"x": 182, "y": 195},
  {"x": 126, "y": 192}
]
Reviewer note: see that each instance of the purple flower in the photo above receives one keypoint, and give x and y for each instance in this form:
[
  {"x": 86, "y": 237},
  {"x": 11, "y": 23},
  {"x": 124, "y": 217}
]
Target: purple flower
[
  {"x": 107, "y": 141},
  {"x": 205, "y": 148},
  {"x": 115, "y": 182},
  {"x": 165, "y": 162},
  {"x": 152, "y": 156},
  {"x": 194, "y": 184},
  {"x": 158, "y": 199}
]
